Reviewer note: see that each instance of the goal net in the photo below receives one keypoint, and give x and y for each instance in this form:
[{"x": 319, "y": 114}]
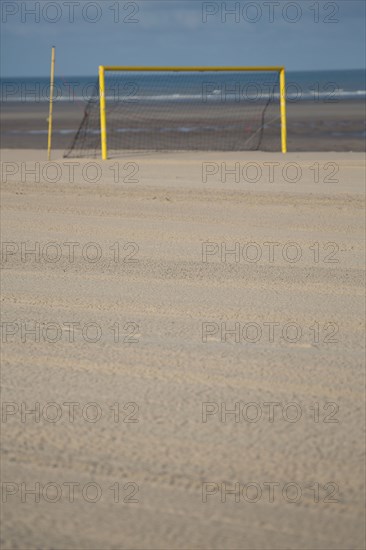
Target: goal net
[{"x": 181, "y": 109}]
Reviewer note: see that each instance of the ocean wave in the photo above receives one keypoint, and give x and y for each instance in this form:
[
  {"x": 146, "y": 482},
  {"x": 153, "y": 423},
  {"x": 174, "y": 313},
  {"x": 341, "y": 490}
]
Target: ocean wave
[{"x": 212, "y": 97}]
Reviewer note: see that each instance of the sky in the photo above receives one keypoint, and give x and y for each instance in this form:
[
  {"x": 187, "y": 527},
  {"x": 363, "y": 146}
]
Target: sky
[{"x": 301, "y": 35}]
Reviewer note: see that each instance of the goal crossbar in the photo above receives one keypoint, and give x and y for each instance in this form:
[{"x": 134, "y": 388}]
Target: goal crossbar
[
  {"x": 102, "y": 95},
  {"x": 191, "y": 69}
]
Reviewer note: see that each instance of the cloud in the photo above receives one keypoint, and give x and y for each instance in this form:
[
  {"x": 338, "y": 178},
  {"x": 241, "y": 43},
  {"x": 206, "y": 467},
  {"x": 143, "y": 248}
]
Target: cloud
[{"x": 173, "y": 32}]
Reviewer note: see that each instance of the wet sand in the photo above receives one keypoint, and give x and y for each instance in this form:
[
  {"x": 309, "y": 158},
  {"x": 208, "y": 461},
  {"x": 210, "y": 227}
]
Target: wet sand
[{"x": 312, "y": 126}]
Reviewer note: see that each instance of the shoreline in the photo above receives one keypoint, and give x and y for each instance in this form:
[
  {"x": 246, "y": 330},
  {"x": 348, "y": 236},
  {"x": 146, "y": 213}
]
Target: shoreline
[{"x": 311, "y": 126}]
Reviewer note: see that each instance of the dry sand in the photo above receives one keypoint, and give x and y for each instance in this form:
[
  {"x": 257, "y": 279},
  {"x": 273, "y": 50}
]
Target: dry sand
[{"x": 169, "y": 372}]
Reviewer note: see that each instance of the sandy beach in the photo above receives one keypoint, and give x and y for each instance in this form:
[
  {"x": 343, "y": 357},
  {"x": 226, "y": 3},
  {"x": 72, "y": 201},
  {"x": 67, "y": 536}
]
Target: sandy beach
[
  {"x": 321, "y": 126},
  {"x": 145, "y": 298}
]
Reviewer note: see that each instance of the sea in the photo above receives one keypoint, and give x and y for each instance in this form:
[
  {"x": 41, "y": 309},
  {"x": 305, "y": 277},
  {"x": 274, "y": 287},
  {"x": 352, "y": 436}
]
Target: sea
[{"x": 326, "y": 86}]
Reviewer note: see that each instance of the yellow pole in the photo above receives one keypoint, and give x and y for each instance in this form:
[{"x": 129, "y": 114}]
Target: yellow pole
[
  {"x": 52, "y": 79},
  {"x": 103, "y": 122},
  {"x": 191, "y": 69},
  {"x": 283, "y": 111}
]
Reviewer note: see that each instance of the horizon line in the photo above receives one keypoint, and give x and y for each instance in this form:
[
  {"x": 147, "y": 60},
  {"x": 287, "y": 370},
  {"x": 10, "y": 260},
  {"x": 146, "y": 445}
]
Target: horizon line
[{"x": 96, "y": 73}]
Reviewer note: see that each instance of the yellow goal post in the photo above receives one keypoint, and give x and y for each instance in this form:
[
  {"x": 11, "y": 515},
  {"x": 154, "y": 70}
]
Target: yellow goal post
[{"x": 102, "y": 97}]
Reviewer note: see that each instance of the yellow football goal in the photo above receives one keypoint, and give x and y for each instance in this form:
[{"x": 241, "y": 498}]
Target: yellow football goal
[{"x": 184, "y": 108}]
